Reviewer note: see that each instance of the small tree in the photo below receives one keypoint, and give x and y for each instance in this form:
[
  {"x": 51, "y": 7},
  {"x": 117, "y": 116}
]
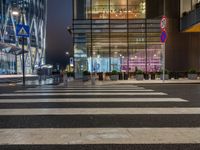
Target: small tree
[
  {"x": 192, "y": 71},
  {"x": 139, "y": 72},
  {"x": 86, "y": 73},
  {"x": 114, "y": 72}
]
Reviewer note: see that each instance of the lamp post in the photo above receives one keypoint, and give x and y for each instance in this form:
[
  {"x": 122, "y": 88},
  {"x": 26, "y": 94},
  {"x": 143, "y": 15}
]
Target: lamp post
[
  {"x": 68, "y": 63},
  {"x": 21, "y": 14}
]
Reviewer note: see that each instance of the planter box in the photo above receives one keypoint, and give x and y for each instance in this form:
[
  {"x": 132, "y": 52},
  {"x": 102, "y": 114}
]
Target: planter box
[
  {"x": 153, "y": 76},
  {"x": 192, "y": 76},
  {"x": 166, "y": 77},
  {"x": 139, "y": 77},
  {"x": 114, "y": 77},
  {"x": 93, "y": 79},
  {"x": 197, "y": 5},
  {"x": 86, "y": 78}
]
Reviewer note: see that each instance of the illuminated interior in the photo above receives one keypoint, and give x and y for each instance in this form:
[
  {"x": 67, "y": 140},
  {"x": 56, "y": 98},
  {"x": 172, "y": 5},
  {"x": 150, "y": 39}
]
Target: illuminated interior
[
  {"x": 194, "y": 28},
  {"x": 114, "y": 35}
]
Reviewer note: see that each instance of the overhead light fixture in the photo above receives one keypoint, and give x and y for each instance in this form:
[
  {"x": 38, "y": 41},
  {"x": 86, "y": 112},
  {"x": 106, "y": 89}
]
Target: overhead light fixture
[{"x": 15, "y": 13}]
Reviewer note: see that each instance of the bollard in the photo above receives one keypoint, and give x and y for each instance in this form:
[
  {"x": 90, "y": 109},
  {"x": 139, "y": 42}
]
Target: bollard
[{"x": 65, "y": 79}]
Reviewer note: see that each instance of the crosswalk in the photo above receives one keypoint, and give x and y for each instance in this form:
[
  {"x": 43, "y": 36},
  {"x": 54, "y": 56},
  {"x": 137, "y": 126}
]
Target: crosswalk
[{"x": 98, "y": 116}]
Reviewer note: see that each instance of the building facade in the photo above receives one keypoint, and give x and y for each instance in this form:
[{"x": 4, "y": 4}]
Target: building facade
[
  {"x": 34, "y": 15},
  {"x": 115, "y": 35},
  {"x": 124, "y": 35}
]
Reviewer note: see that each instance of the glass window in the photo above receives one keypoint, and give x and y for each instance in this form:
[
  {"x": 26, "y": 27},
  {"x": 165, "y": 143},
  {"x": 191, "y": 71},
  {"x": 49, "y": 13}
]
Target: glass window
[
  {"x": 100, "y": 9},
  {"x": 136, "y": 9},
  {"x": 82, "y": 9},
  {"x": 119, "y": 45},
  {"x": 185, "y": 6},
  {"x": 118, "y": 2},
  {"x": 118, "y": 9},
  {"x": 100, "y": 61}
]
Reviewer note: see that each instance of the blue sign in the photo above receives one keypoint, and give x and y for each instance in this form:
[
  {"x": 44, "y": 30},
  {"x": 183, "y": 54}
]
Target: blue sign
[
  {"x": 71, "y": 61},
  {"x": 22, "y": 30},
  {"x": 163, "y": 37}
]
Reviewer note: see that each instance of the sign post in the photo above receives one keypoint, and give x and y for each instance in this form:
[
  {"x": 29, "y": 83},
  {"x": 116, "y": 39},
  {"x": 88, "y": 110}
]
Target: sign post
[
  {"x": 163, "y": 39},
  {"x": 23, "y": 31}
]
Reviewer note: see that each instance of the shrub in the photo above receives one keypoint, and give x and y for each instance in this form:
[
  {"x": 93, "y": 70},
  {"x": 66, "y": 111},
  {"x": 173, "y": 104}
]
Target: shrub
[
  {"x": 197, "y": 5},
  {"x": 185, "y": 13},
  {"x": 139, "y": 72},
  {"x": 114, "y": 72},
  {"x": 70, "y": 74},
  {"x": 86, "y": 73},
  {"x": 192, "y": 71},
  {"x": 166, "y": 72}
]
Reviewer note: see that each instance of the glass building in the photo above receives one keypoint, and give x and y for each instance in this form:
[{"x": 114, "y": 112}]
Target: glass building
[
  {"x": 115, "y": 35},
  {"x": 34, "y": 15}
]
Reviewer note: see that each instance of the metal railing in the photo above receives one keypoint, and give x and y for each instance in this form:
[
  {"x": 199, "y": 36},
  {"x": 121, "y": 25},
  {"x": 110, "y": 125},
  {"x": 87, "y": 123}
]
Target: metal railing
[{"x": 190, "y": 19}]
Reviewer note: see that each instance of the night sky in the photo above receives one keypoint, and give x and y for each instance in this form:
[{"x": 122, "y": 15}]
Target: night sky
[{"x": 58, "y": 39}]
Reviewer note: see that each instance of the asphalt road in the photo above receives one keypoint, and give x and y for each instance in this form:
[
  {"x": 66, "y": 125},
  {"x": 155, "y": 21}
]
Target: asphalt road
[{"x": 107, "y": 117}]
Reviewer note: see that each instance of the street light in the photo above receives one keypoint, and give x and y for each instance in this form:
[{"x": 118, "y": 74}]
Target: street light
[
  {"x": 15, "y": 13},
  {"x": 67, "y": 53}
]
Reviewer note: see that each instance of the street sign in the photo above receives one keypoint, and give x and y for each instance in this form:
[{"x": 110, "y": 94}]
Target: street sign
[
  {"x": 163, "y": 37},
  {"x": 71, "y": 61},
  {"x": 23, "y": 31},
  {"x": 163, "y": 23}
]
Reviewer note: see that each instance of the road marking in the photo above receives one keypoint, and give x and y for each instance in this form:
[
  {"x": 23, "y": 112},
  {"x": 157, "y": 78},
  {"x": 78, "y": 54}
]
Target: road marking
[
  {"x": 84, "y": 94},
  {"x": 101, "y": 111},
  {"x": 63, "y": 100},
  {"x": 83, "y": 90},
  {"x": 100, "y": 136},
  {"x": 88, "y": 88}
]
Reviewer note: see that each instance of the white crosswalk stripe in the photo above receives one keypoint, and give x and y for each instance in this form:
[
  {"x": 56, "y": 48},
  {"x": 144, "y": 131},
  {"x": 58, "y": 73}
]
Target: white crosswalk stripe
[
  {"x": 82, "y": 94},
  {"x": 100, "y": 111},
  {"x": 39, "y": 133},
  {"x": 113, "y": 100},
  {"x": 100, "y": 136}
]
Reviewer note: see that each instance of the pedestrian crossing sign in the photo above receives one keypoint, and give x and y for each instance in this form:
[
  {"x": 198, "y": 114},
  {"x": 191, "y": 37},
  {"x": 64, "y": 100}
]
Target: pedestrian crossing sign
[{"x": 23, "y": 30}]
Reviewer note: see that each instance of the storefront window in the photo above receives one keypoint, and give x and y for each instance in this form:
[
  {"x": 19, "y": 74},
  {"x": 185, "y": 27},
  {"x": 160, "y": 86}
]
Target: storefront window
[{"x": 117, "y": 37}]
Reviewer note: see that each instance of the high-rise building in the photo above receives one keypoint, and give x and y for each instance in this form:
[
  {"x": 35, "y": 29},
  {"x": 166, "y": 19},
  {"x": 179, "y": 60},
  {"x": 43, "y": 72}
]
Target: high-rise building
[
  {"x": 115, "y": 35},
  {"x": 12, "y": 12},
  {"x": 124, "y": 35}
]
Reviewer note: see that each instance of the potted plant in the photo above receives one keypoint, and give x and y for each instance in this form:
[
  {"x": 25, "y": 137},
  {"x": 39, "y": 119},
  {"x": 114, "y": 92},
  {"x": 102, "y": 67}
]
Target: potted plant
[
  {"x": 86, "y": 75},
  {"x": 166, "y": 76},
  {"x": 197, "y": 5},
  {"x": 153, "y": 75},
  {"x": 107, "y": 76},
  {"x": 185, "y": 13},
  {"x": 70, "y": 75},
  {"x": 192, "y": 74},
  {"x": 139, "y": 75},
  {"x": 114, "y": 75}
]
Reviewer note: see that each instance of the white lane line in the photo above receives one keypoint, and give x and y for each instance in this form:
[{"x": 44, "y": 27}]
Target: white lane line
[
  {"x": 65, "y": 100},
  {"x": 38, "y": 91},
  {"x": 99, "y": 136},
  {"x": 86, "y": 94},
  {"x": 101, "y": 111},
  {"x": 85, "y": 88}
]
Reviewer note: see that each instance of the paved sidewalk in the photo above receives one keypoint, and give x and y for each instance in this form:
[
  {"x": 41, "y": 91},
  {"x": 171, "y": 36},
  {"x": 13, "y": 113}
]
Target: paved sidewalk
[
  {"x": 131, "y": 81},
  {"x": 14, "y": 76},
  {"x": 7, "y": 79}
]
